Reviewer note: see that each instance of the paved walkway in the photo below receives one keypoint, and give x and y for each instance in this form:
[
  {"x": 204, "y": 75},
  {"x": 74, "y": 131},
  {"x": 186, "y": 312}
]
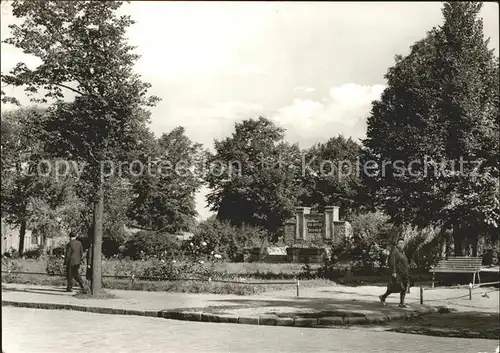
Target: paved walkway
[
  {"x": 125, "y": 299},
  {"x": 51, "y": 331},
  {"x": 316, "y": 306},
  {"x": 454, "y": 298}
]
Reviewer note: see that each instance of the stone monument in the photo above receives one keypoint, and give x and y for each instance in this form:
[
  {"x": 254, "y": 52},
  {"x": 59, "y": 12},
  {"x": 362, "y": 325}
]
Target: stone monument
[{"x": 309, "y": 235}]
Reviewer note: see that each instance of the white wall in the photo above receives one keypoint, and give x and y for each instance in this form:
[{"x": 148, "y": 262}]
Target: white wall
[{"x": 10, "y": 239}]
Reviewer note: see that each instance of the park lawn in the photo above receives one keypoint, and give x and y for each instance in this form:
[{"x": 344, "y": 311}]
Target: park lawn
[
  {"x": 117, "y": 267},
  {"x": 179, "y": 286},
  {"x": 249, "y": 272},
  {"x": 241, "y": 272}
]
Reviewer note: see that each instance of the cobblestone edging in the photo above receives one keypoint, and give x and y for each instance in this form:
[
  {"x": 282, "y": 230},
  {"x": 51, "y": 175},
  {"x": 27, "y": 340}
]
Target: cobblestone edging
[
  {"x": 444, "y": 332},
  {"x": 199, "y": 315},
  {"x": 273, "y": 320}
]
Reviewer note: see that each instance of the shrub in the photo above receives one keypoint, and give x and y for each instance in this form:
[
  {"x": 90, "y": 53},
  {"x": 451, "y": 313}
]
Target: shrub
[
  {"x": 110, "y": 247},
  {"x": 369, "y": 243},
  {"x": 9, "y": 265},
  {"x": 55, "y": 265},
  {"x": 34, "y": 253},
  {"x": 125, "y": 267},
  {"x": 214, "y": 237},
  {"x": 422, "y": 246},
  {"x": 339, "y": 252},
  {"x": 148, "y": 243},
  {"x": 11, "y": 253},
  {"x": 172, "y": 269},
  {"x": 58, "y": 251}
]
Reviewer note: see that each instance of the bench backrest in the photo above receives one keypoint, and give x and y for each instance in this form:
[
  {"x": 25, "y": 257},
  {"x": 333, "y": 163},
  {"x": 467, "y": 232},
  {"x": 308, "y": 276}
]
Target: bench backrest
[{"x": 460, "y": 263}]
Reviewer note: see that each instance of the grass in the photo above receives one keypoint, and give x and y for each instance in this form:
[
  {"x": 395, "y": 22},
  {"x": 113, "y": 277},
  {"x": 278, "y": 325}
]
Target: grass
[
  {"x": 242, "y": 272},
  {"x": 174, "y": 286},
  {"x": 254, "y": 269},
  {"x": 256, "y": 272},
  {"x": 466, "y": 324}
]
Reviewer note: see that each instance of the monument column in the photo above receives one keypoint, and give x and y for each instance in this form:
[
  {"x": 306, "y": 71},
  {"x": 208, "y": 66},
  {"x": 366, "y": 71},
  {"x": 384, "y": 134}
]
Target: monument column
[
  {"x": 300, "y": 216},
  {"x": 336, "y": 213},
  {"x": 329, "y": 222}
]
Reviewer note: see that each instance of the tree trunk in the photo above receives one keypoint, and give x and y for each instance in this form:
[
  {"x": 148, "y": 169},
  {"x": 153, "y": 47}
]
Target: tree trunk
[
  {"x": 459, "y": 249},
  {"x": 22, "y": 235},
  {"x": 473, "y": 243},
  {"x": 44, "y": 242},
  {"x": 97, "y": 241},
  {"x": 474, "y": 249},
  {"x": 458, "y": 240},
  {"x": 88, "y": 270}
]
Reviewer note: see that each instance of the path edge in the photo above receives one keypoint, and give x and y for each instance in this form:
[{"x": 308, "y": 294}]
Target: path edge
[{"x": 201, "y": 316}]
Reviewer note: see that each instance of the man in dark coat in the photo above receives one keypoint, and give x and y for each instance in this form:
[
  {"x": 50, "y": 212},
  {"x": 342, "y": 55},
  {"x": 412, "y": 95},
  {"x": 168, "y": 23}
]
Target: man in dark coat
[
  {"x": 73, "y": 258},
  {"x": 398, "y": 265}
]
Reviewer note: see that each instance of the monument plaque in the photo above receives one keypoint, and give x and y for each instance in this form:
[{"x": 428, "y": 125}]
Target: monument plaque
[
  {"x": 315, "y": 224},
  {"x": 311, "y": 227}
]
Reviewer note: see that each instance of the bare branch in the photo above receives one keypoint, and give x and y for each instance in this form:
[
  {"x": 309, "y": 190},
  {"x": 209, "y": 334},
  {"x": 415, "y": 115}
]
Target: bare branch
[{"x": 71, "y": 89}]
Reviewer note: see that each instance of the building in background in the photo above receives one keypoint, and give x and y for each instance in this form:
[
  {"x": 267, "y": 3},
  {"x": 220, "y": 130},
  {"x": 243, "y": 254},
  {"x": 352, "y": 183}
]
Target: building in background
[{"x": 32, "y": 241}]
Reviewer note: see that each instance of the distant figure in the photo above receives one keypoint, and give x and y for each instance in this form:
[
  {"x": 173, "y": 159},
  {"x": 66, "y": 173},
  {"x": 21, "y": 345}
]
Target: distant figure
[
  {"x": 73, "y": 258},
  {"x": 398, "y": 265},
  {"x": 488, "y": 258}
]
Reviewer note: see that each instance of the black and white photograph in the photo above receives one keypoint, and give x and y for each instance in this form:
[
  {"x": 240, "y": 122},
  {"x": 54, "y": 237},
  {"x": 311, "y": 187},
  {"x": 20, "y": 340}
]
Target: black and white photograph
[{"x": 250, "y": 177}]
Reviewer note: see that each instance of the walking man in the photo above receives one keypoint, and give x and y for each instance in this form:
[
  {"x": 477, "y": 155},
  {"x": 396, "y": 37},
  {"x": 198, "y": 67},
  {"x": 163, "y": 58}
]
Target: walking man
[
  {"x": 398, "y": 265},
  {"x": 74, "y": 254}
]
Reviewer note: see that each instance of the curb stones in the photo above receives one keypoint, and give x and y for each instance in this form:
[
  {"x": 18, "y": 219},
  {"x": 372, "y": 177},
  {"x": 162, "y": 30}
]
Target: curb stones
[{"x": 227, "y": 318}]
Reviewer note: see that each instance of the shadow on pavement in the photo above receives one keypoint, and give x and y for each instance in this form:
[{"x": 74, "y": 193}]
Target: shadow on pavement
[
  {"x": 468, "y": 324},
  {"x": 374, "y": 295},
  {"x": 318, "y": 304},
  {"x": 48, "y": 291}
]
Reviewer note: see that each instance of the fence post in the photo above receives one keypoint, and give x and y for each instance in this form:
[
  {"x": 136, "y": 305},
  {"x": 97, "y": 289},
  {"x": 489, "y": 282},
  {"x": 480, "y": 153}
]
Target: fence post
[
  {"x": 298, "y": 287},
  {"x": 433, "y": 278},
  {"x": 132, "y": 279},
  {"x": 421, "y": 295},
  {"x": 470, "y": 291}
]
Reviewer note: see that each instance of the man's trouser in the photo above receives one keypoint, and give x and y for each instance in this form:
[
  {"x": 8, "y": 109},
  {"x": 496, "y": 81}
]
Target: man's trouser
[{"x": 73, "y": 272}]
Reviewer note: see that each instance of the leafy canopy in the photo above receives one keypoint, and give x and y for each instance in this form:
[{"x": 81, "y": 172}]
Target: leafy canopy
[{"x": 441, "y": 109}]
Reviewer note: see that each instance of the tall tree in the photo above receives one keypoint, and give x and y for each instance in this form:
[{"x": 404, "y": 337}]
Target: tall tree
[
  {"x": 164, "y": 196},
  {"x": 83, "y": 50},
  {"x": 254, "y": 176},
  {"x": 440, "y": 110},
  {"x": 331, "y": 176},
  {"x": 22, "y": 184},
  {"x": 57, "y": 209}
]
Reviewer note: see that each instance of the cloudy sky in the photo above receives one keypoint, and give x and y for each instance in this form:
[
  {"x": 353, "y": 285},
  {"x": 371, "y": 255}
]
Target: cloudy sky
[{"x": 313, "y": 68}]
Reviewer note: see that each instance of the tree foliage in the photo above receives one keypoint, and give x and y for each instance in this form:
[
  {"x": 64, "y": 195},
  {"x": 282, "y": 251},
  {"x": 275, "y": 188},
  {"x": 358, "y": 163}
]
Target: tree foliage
[
  {"x": 220, "y": 238},
  {"x": 32, "y": 197},
  {"x": 331, "y": 176},
  {"x": 164, "y": 193},
  {"x": 254, "y": 176},
  {"x": 372, "y": 238},
  {"x": 84, "y": 51},
  {"x": 440, "y": 108}
]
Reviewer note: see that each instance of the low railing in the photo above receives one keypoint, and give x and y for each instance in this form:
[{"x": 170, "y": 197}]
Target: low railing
[
  {"x": 133, "y": 278},
  {"x": 470, "y": 287}
]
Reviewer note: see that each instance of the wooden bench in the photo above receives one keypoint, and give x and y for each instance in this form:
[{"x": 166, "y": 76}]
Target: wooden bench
[{"x": 458, "y": 264}]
